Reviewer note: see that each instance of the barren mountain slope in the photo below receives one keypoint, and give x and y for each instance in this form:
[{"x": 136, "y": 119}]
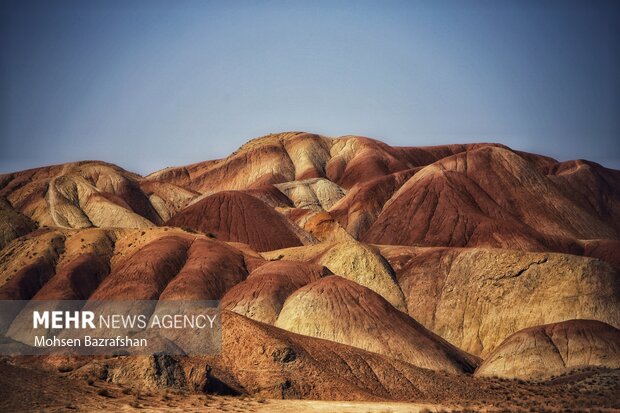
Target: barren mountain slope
[
  {"x": 314, "y": 194},
  {"x": 451, "y": 195},
  {"x": 295, "y": 156},
  {"x": 167, "y": 199},
  {"x": 210, "y": 270},
  {"x": 391, "y": 261},
  {"x": 364, "y": 202},
  {"x": 353, "y": 260},
  {"x": 99, "y": 263},
  {"x": 454, "y": 195},
  {"x": 262, "y": 360},
  {"x": 487, "y": 197},
  {"x": 29, "y": 262},
  {"x": 268, "y": 361},
  {"x": 267, "y": 160},
  {"x": 595, "y": 187}
]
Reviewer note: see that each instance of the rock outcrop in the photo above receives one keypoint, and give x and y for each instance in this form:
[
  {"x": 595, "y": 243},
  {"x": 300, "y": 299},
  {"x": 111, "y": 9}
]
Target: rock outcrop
[
  {"x": 316, "y": 194},
  {"x": 475, "y": 298}
]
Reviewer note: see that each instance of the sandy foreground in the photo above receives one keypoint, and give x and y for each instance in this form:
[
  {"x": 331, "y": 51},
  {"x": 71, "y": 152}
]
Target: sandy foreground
[
  {"x": 225, "y": 404},
  {"x": 29, "y": 390},
  {"x": 25, "y": 389}
]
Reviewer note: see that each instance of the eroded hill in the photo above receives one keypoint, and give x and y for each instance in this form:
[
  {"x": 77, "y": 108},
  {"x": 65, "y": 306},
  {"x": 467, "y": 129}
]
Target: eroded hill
[{"x": 348, "y": 268}]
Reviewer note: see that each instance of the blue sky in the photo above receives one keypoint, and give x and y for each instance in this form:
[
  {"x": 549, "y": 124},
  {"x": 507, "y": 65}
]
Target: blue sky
[{"x": 148, "y": 84}]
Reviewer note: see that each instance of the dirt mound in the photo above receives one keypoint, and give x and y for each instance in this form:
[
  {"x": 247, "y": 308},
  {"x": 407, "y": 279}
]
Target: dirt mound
[
  {"x": 262, "y": 295},
  {"x": 145, "y": 274},
  {"x": 236, "y": 216},
  {"x": 263, "y": 360},
  {"x": 340, "y": 310},
  {"x": 554, "y": 349},
  {"x": 353, "y": 260},
  {"x": 211, "y": 268},
  {"x": 362, "y": 264}
]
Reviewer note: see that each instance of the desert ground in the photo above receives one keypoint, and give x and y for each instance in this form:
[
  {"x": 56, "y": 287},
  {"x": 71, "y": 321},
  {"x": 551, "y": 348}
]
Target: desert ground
[{"x": 26, "y": 389}]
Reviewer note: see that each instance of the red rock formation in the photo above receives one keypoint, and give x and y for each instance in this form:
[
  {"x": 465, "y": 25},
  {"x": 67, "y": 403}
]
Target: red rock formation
[
  {"x": 486, "y": 197},
  {"x": 211, "y": 269},
  {"x": 145, "y": 274},
  {"x": 236, "y": 216}
]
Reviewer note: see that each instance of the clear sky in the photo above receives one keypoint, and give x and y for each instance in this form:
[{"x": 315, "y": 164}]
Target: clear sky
[{"x": 148, "y": 84}]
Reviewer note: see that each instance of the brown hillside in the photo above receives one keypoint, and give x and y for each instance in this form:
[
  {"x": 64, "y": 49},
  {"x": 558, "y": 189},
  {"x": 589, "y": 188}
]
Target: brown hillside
[
  {"x": 488, "y": 197},
  {"x": 553, "y": 349},
  {"x": 237, "y": 216},
  {"x": 340, "y": 310},
  {"x": 262, "y": 295}
]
